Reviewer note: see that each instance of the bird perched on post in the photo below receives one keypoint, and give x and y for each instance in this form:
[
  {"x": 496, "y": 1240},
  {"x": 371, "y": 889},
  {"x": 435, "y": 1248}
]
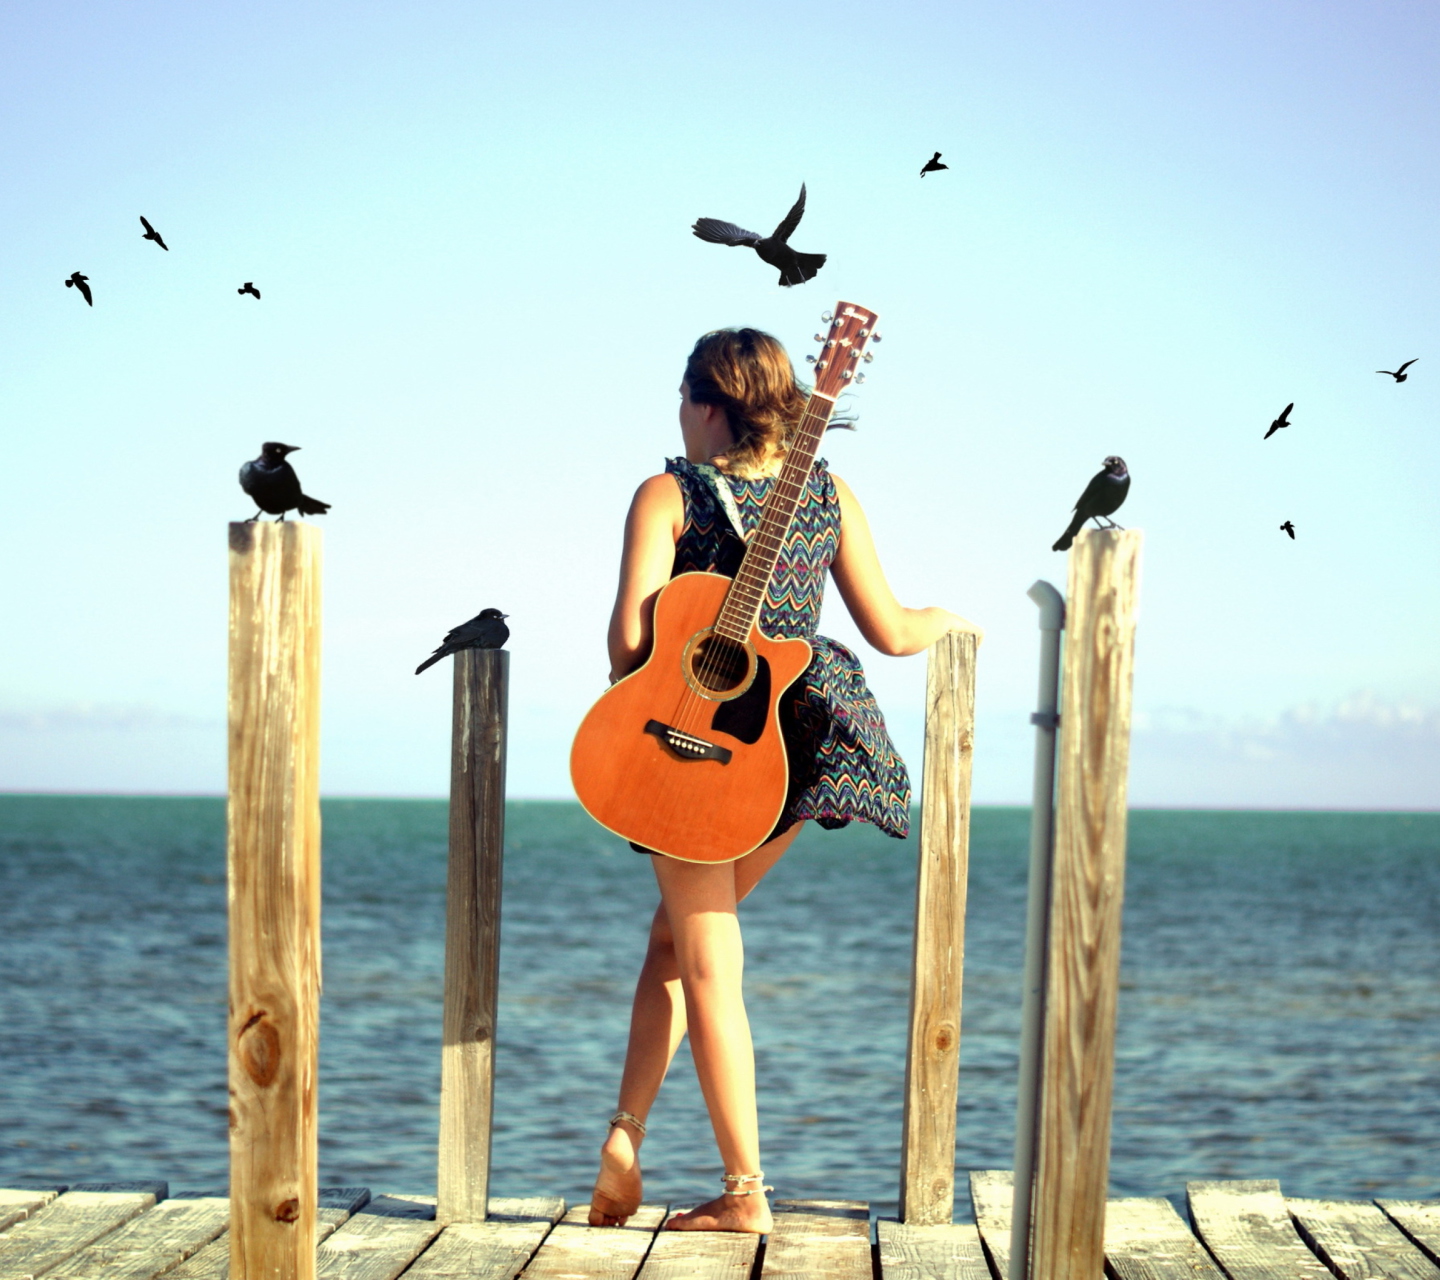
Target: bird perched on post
[
  {"x": 1289, "y": 528},
  {"x": 795, "y": 268},
  {"x": 1399, "y": 374},
  {"x": 486, "y": 630},
  {"x": 152, "y": 234},
  {"x": 273, "y": 485},
  {"x": 1102, "y": 497},
  {"x": 77, "y": 281},
  {"x": 1282, "y": 421},
  {"x": 250, "y": 289},
  {"x": 933, "y": 165}
]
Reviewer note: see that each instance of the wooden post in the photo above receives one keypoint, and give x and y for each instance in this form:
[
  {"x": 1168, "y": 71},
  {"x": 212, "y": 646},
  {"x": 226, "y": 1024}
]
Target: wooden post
[
  {"x": 1087, "y": 886},
  {"x": 932, "y": 1064},
  {"x": 472, "y": 932},
  {"x": 274, "y": 888}
]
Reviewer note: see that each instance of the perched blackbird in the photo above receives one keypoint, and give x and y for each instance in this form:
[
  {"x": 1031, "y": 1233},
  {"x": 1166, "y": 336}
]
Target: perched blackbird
[
  {"x": 152, "y": 234},
  {"x": 1102, "y": 497},
  {"x": 795, "y": 268},
  {"x": 933, "y": 165},
  {"x": 274, "y": 486},
  {"x": 1289, "y": 528},
  {"x": 249, "y": 288},
  {"x": 1399, "y": 374},
  {"x": 1282, "y": 421},
  {"x": 486, "y": 630},
  {"x": 78, "y": 281}
]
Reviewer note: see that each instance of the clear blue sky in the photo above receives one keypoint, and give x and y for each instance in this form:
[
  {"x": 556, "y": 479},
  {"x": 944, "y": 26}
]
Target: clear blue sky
[{"x": 470, "y": 224}]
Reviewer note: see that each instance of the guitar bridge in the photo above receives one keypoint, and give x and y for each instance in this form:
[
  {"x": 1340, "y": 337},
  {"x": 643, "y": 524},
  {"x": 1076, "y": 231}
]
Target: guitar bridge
[{"x": 686, "y": 745}]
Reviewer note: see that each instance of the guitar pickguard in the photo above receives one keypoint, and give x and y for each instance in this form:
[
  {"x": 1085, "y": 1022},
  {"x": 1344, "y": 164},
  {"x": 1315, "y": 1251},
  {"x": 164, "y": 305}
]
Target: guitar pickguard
[{"x": 744, "y": 717}]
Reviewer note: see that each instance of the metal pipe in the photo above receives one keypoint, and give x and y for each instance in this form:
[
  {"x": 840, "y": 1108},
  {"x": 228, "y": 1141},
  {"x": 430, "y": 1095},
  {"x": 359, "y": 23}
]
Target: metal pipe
[{"x": 1042, "y": 839}]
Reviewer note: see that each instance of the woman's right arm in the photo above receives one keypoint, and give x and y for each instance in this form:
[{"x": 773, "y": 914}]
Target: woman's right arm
[
  {"x": 883, "y": 620},
  {"x": 657, "y": 516}
]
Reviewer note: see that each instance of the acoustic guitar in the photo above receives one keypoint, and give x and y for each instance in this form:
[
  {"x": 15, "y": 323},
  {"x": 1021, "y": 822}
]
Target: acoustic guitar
[{"x": 684, "y": 754}]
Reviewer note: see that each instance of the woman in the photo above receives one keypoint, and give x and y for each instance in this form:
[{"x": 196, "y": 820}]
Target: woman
[{"x": 739, "y": 405}]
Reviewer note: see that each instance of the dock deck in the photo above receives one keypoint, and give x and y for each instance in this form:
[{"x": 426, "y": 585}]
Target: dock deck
[{"x": 1237, "y": 1231}]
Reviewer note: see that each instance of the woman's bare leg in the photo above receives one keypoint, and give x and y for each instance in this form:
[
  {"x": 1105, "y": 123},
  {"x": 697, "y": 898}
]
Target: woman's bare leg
[{"x": 657, "y": 1025}]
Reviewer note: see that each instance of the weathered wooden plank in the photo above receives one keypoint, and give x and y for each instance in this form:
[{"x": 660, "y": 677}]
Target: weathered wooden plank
[
  {"x": 1418, "y": 1219},
  {"x": 380, "y": 1241},
  {"x": 1247, "y": 1228},
  {"x": 472, "y": 932},
  {"x": 1082, "y": 979},
  {"x": 576, "y": 1251},
  {"x": 937, "y": 970},
  {"x": 18, "y": 1203},
  {"x": 947, "y": 1251},
  {"x": 1145, "y": 1239},
  {"x": 819, "y": 1238},
  {"x": 1358, "y": 1242},
  {"x": 213, "y": 1261},
  {"x": 273, "y": 866},
  {"x": 992, "y": 1199},
  {"x": 149, "y": 1244},
  {"x": 496, "y": 1249},
  {"x": 64, "y": 1227},
  {"x": 700, "y": 1255}
]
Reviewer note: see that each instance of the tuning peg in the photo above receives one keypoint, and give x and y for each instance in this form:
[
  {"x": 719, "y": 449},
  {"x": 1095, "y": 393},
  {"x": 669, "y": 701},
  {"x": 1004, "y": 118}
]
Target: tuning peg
[
  {"x": 809, "y": 359},
  {"x": 819, "y": 337},
  {"x": 827, "y": 316},
  {"x": 859, "y": 377},
  {"x": 875, "y": 337},
  {"x": 847, "y": 375},
  {"x": 868, "y": 358}
]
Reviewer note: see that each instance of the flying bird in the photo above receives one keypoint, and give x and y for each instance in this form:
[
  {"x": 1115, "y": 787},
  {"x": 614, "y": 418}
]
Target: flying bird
[
  {"x": 1290, "y": 529},
  {"x": 795, "y": 268},
  {"x": 933, "y": 165},
  {"x": 273, "y": 485},
  {"x": 486, "y": 630},
  {"x": 249, "y": 288},
  {"x": 1399, "y": 374},
  {"x": 78, "y": 281},
  {"x": 1102, "y": 497},
  {"x": 152, "y": 234},
  {"x": 1281, "y": 421}
]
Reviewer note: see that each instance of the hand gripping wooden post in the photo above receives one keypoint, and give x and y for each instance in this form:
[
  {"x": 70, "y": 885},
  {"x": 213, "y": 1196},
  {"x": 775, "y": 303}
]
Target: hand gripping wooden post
[
  {"x": 932, "y": 1065},
  {"x": 472, "y": 932},
  {"x": 1087, "y": 886},
  {"x": 274, "y": 888}
]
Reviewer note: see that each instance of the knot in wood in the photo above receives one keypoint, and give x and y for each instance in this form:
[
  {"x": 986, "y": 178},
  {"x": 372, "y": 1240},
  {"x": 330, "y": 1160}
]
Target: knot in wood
[
  {"x": 287, "y": 1210},
  {"x": 944, "y": 1037},
  {"x": 259, "y": 1048}
]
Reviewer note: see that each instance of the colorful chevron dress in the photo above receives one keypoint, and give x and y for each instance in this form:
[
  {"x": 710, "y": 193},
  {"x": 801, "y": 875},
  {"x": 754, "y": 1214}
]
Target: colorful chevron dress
[{"x": 843, "y": 766}]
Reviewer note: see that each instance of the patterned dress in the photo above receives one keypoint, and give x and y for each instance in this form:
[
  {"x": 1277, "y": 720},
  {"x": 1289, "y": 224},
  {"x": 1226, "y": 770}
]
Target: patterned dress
[{"x": 843, "y": 766}]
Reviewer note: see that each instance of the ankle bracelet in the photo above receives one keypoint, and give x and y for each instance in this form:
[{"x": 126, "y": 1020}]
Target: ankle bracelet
[
  {"x": 628, "y": 1117},
  {"x": 731, "y": 1181}
]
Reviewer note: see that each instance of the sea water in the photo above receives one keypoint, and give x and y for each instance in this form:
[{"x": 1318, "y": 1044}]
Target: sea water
[{"x": 1279, "y": 1007}]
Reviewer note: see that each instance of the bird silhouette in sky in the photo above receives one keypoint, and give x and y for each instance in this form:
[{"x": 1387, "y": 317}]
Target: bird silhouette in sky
[
  {"x": 152, "y": 234},
  {"x": 933, "y": 165},
  {"x": 1399, "y": 374},
  {"x": 78, "y": 281},
  {"x": 1102, "y": 498},
  {"x": 273, "y": 485},
  {"x": 795, "y": 268},
  {"x": 1290, "y": 529},
  {"x": 1282, "y": 421},
  {"x": 250, "y": 289},
  {"x": 486, "y": 630}
]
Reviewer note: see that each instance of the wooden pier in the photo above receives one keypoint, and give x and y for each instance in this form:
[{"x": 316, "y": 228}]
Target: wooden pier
[{"x": 1237, "y": 1231}]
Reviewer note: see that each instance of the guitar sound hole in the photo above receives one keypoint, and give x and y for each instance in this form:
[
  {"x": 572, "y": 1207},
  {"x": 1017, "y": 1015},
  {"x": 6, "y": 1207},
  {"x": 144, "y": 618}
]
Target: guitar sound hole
[{"x": 718, "y": 664}]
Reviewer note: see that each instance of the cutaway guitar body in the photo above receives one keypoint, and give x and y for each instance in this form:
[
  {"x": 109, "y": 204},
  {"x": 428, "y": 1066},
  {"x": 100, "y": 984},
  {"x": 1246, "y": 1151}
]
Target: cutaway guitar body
[{"x": 684, "y": 755}]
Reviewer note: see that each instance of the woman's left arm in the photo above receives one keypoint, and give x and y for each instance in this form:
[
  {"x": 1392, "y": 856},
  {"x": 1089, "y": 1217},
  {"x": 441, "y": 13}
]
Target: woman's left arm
[{"x": 886, "y": 623}]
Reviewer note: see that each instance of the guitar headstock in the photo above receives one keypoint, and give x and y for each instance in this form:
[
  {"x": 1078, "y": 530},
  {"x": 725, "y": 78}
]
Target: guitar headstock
[{"x": 842, "y": 349}]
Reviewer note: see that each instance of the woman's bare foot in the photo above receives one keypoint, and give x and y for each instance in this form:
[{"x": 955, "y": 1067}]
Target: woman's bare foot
[
  {"x": 618, "y": 1187},
  {"x": 727, "y": 1213}
]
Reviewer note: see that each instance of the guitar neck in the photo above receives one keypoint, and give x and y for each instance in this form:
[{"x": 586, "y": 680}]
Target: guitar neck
[{"x": 747, "y": 593}]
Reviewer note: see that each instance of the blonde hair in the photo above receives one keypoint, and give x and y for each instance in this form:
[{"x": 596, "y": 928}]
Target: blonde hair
[{"x": 747, "y": 373}]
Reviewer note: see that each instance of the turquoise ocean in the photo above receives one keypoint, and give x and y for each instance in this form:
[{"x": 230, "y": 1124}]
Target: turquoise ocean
[{"x": 1279, "y": 1006}]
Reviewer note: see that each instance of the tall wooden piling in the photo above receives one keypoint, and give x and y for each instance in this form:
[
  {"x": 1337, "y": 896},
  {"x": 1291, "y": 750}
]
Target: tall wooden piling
[
  {"x": 1087, "y": 888},
  {"x": 932, "y": 1065},
  {"x": 273, "y": 854},
  {"x": 472, "y": 932}
]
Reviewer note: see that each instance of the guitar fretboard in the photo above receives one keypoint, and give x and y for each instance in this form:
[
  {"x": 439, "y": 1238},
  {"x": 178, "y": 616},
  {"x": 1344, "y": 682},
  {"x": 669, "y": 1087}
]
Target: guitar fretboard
[{"x": 747, "y": 593}]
